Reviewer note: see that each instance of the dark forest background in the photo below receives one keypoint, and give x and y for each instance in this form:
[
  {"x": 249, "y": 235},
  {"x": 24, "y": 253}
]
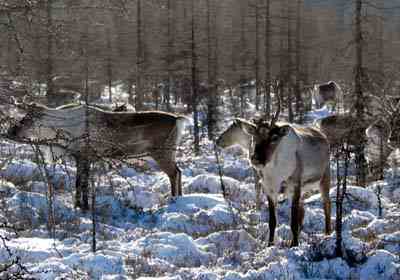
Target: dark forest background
[{"x": 154, "y": 49}]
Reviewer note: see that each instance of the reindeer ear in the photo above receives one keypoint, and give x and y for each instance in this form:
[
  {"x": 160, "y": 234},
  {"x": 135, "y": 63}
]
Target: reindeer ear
[{"x": 248, "y": 128}]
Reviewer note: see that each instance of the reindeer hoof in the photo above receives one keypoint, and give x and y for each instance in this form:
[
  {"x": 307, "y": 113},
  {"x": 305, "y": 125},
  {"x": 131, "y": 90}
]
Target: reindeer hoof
[
  {"x": 77, "y": 204},
  {"x": 294, "y": 243},
  {"x": 85, "y": 207},
  {"x": 270, "y": 244}
]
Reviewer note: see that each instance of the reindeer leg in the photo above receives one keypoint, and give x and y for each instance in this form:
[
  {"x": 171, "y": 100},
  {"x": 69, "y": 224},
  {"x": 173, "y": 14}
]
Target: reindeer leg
[
  {"x": 301, "y": 213},
  {"x": 272, "y": 220},
  {"x": 85, "y": 185},
  {"x": 296, "y": 216},
  {"x": 324, "y": 188},
  {"x": 78, "y": 192},
  {"x": 82, "y": 181},
  {"x": 168, "y": 165},
  {"x": 179, "y": 175},
  {"x": 258, "y": 190}
]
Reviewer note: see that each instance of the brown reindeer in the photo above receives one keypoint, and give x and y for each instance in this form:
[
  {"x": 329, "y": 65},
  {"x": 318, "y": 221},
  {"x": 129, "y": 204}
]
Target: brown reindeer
[
  {"x": 234, "y": 135},
  {"x": 89, "y": 134},
  {"x": 342, "y": 129},
  {"x": 380, "y": 131}
]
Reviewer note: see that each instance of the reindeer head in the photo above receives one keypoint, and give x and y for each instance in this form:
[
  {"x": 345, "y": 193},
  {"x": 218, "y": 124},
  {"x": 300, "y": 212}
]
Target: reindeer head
[
  {"x": 266, "y": 140},
  {"x": 378, "y": 132},
  {"x": 230, "y": 135},
  {"x": 31, "y": 113},
  {"x": 266, "y": 137}
]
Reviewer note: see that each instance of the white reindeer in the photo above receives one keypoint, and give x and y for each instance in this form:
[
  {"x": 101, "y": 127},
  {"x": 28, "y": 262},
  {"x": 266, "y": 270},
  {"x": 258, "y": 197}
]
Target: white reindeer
[{"x": 291, "y": 159}]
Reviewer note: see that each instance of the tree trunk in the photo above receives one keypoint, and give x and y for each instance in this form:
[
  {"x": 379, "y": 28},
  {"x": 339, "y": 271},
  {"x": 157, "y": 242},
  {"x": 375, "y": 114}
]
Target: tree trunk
[
  {"x": 242, "y": 62},
  {"x": 358, "y": 91},
  {"x": 256, "y": 62},
  {"x": 93, "y": 210},
  {"x": 109, "y": 65},
  {"x": 139, "y": 58},
  {"x": 297, "y": 89},
  {"x": 267, "y": 97},
  {"x": 212, "y": 102},
  {"x": 167, "y": 97},
  {"x": 194, "y": 87},
  {"x": 289, "y": 64},
  {"x": 51, "y": 98}
]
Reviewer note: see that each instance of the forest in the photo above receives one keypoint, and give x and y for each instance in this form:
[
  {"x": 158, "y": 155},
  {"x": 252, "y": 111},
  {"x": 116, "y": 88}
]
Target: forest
[{"x": 199, "y": 139}]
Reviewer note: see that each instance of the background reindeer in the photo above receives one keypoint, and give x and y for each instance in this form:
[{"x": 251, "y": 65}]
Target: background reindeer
[
  {"x": 234, "y": 134},
  {"x": 326, "y": 93},
  {"x": 89, "y": 134}
]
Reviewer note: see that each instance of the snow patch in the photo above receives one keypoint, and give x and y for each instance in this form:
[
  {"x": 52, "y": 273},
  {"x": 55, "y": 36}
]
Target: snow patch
[
  {"x": 179, "y": 249},
  {"x": 381, "y": 265}
]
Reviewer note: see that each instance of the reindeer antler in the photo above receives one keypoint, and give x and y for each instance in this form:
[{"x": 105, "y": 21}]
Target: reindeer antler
[{"x": 278, "y": 110}]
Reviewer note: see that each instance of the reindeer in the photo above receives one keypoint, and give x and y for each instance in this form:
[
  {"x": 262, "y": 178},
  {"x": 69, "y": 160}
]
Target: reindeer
[
  {"x": 381, "y": 128},
  {"x": 291, "y": 160},
  {"x": 327, "y": 92},
  {"x": 234, "y": 134},
  {"x": 377, "y": 149},
  {"x": 341, "y": 128},
  {"x": 90, "y": 134}
]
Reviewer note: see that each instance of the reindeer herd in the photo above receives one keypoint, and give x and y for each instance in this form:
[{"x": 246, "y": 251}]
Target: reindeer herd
[{"x": 287, "y": 158}]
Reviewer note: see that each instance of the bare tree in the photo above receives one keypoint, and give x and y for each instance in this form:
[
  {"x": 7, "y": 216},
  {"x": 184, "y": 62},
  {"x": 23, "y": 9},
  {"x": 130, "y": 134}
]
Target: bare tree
[
  {"x": 297, "y": 89},
  {"x": 358, "y": 91},
  {"x": 211, "y": 69},
  {"x": 170, "y": 38},
  {"x": 289, "y": 69},
  {"x": 194, "y": 82},
  {"x": 139, "y": 91},
  {"x": 341, "y": 153},
  {"x": 257, "y": 57},
  {"x": 267, "y": 96},
  {"x": 49, "y": 59}
]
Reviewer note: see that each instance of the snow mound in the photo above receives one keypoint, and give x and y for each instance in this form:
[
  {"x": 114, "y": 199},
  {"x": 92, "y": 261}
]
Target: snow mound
[
  {"x": 197, "y": 214},
  {"x": 239, "y": 169},
  {"x": 356, "y": 198},
  {"x": 141, "y": 198},
  {"x": 178, "y": 249},
  {"x": 31, "y": 250},
  {"x": 327, "y": 269},
  {"x": 235, "y": 240},
  {"x": 314, "y": 220},
  {"x": 7, "y": 189},
  {"x": 20, "y": 172},
  {"x": 380, "y": 226},
  {"x": 177, "y": 277},
  {"x": 381, "y": 265},
  {"x": 282, "y": 268},
  {"x": 52, "y": 269},
  {"x": 390, "y": 242},
  {"x": 96, "y": 265},
  {"x": 358, "y": 219},
  {"x": 212, "y": 184},
  {"x": 109, "y": 206},
  {"x": 34, "y": 207}
]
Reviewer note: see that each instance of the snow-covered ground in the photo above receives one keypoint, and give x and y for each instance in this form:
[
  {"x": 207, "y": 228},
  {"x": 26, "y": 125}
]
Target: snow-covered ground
[{"x": 142, "y": 233}]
